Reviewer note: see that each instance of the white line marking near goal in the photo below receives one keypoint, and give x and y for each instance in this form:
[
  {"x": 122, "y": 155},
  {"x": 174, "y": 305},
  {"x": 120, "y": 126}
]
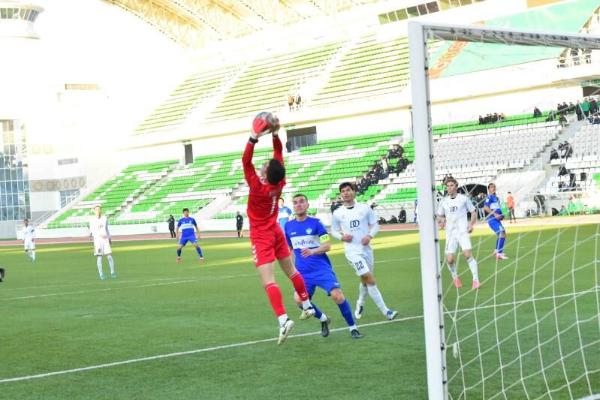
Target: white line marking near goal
[{"x": 185, "y": 353}]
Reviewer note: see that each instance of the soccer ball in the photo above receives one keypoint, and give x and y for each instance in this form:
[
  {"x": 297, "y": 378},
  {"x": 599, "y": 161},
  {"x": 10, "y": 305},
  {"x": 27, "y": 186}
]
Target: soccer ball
[{"x": 265, "y": 122}]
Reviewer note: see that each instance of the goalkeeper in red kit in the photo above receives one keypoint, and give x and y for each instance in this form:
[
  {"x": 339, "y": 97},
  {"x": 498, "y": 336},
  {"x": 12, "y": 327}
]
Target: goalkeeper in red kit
[{"x": 266, "y": 236}]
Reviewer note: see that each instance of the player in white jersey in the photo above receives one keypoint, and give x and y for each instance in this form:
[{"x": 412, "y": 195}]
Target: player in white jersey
[
  {"x": 452, "y": 215},
  {"x": 356, "y": 224},
  {"x": 101, "y": 236},
  {"x": 29, "y": 239}
]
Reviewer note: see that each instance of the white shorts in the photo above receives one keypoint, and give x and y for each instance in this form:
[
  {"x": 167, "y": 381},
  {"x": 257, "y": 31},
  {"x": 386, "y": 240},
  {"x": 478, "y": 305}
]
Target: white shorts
[
  {"x": 102, "y": 247},
  {"x": 29, "y": 244},
  {"x": 361, "y": 262},
  {"x": 454, "y": 239}
]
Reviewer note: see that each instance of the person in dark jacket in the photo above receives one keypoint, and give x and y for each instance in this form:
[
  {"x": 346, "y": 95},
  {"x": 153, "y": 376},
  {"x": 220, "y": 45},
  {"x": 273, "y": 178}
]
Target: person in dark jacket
[
  {"x": 171, "y": 222},
  {"x": 239, "y": 224}
]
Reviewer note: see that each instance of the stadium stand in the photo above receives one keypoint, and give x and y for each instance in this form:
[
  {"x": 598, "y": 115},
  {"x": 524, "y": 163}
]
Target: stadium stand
[
  {"x": 468, "y": 154},
  {"x": 371, "y": 67},
  {"x": 189, "y": 94},
  {"x": 115, "y": 193},
  {"x": 561, "y": 17},
  {"x": 584, "y": 160},
  {"x": 265, "y": 84},
  {"x": 149, "y": 193}
]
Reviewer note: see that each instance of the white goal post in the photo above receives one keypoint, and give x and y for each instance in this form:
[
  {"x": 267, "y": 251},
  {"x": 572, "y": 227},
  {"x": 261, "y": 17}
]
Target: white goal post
[{"x": 419, "y": 34}]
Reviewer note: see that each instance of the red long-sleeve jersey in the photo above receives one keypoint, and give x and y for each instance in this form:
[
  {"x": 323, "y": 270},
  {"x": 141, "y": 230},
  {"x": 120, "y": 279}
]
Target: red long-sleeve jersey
[{"x": 263, "y": 199}]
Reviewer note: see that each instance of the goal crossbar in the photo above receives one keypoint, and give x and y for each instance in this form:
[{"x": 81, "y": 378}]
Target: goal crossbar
[{"x": 418, "y": 34}]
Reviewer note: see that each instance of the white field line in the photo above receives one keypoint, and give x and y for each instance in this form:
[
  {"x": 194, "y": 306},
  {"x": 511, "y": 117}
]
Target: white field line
[
  {"x": 234, "y": 345},
  {"x": 182, "y": 353}
]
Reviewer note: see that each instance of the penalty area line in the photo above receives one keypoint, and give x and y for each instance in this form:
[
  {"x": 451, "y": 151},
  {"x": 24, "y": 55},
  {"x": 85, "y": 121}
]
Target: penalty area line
[{"x": 185, "y": 353}]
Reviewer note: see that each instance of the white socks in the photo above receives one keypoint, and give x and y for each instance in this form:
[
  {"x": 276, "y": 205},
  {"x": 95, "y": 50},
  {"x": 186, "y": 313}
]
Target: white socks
[
  {"x": 32, "y": 255},
  {"x": 282, "y": 318},
  {"x": 473, "y": 266},
  {"x": 452, "y": 268},
  {"x": 362, "y": 294},
  {"x": 99, "y": 264},
  {"x": 111, "y": 263},
  {"x": 377, "y": 298},
  {"x": 323, "y": 317}
]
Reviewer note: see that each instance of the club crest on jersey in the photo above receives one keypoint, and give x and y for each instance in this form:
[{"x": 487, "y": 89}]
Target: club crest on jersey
[{"x": 308, "y": 231}]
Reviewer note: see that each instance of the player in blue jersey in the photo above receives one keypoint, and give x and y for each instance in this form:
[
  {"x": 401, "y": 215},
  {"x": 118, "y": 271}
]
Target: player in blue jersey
[
  {"x": 284, "y": 214},
  {"x": 309, "y": 241},
  {"x": 494, "y": 219},
  {"x": 189, "y": 233}
]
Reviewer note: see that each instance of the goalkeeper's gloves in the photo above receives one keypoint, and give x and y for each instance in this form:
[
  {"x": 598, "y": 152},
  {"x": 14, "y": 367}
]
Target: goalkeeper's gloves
[{"x": 260, "y": 127}]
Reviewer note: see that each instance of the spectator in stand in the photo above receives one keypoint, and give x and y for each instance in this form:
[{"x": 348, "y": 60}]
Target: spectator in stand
[
  {"x": 481, "y": 120},
  {"x": 298, "y": 101},
  {"x": 554, "y": 154},
  {"x": 563, "y": 120},
  {"x": 585, "y": 107},
  {"x": 393, "y": 220},
  {"x": 536, "y": 112},
  {"x": 290, "y": 101},
  {"x": 593, "y": 106},
  {"x": 510, "y": 204},
  {"x": 578, "y": 111},
  {"x": 402, "y": 216}
]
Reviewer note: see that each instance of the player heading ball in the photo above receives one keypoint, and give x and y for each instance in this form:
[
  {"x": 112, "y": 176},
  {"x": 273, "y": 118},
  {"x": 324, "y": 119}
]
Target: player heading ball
[{"x": 267, "y": 238}]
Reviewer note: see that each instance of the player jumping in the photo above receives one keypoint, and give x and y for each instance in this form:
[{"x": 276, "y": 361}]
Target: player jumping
[
  {"x": 101, "y": 235},
  {"x": 310, "y": 242},
  {"x": 189, "y": 233},
  {"x": 356, "y": 224},
  {"x": 266, "y": 236},
  {"x": 452, "y": 215},
  {"x": 29, "y": 240},
  {"x": 494, "y": 220}
]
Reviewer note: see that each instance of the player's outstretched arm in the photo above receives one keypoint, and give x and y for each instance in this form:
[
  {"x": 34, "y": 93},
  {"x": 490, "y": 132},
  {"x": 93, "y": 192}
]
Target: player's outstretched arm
[{"x": 277, "y": 148}]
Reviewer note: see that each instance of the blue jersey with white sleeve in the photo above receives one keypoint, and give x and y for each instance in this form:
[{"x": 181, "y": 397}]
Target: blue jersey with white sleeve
[
  {"x": 187, "y": 226},
  {"x": 308, "y": 234},
  {"x": 493, "y": 203}
]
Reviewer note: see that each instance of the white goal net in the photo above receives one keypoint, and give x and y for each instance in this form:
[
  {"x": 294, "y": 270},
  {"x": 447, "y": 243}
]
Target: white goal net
[{"x": 517, "y": 109}]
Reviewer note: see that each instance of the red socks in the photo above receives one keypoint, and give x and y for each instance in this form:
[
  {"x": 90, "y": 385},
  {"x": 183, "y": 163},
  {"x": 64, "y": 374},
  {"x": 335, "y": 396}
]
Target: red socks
[
  {"x": 299, "y": 286},
  {"x": 275, "y": 298}
]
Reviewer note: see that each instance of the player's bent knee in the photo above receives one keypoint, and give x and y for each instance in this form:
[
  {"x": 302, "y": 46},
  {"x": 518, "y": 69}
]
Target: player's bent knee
[
  {"x": 367, "y": 278},
  {"x": 338, "y": 296}
]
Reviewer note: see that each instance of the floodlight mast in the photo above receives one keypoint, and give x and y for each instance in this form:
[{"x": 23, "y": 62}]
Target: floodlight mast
[{"x": 418, "y": 34}]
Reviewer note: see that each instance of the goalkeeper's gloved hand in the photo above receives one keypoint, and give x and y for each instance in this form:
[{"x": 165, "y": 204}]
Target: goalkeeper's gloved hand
[{"x": 260, "y": 127}]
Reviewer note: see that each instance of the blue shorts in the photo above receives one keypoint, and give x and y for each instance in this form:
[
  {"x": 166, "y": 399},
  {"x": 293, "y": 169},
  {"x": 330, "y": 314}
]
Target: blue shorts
[
  {"x": 183, "y": 240},
  {"x": 495, "y": 225},
  {"x": 327, "y": 282}
]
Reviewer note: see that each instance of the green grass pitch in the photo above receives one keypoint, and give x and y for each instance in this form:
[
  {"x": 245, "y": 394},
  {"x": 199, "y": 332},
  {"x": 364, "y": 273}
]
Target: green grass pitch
[{"x": 57, "y": 316}]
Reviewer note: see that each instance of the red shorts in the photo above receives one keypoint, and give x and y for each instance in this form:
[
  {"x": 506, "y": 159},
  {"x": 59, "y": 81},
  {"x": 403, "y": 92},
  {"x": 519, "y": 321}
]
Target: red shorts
[{"x": 268, "y": 245}]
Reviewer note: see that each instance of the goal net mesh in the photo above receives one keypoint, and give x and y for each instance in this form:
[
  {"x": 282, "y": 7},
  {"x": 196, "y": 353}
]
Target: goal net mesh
[{"x": 532, "y": 329}]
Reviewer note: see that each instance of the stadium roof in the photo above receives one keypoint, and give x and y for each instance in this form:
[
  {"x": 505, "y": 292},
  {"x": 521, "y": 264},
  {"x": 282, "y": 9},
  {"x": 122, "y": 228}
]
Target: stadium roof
[{"x": 194, "y": 23}]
